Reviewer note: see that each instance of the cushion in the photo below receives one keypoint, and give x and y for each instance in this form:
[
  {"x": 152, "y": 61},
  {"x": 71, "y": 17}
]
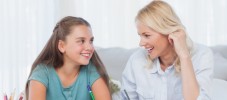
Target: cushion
[
  {"x": 115, "y": 60},
  {"x": 220, "y": 66},
  {"x": 219, "y": 89},
  {"x": 220, "y": 49}
]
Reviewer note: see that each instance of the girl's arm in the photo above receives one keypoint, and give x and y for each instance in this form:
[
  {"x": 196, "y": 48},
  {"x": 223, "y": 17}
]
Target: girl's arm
[
  {"x": 37, "y": 91},
  {"x": 100, "y": 90}
]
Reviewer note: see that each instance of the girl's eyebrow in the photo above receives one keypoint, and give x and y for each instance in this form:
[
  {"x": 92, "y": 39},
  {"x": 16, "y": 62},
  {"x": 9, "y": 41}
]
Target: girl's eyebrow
[
  {"x": 92, "y": 38},
  {"x": 80, "y": 38}
]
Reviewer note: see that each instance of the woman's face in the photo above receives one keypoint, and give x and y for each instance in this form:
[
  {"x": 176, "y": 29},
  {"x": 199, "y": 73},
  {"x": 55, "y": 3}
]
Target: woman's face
[
  {"x": 78, "y": 46},
  {"x": 155, "y": 43}
]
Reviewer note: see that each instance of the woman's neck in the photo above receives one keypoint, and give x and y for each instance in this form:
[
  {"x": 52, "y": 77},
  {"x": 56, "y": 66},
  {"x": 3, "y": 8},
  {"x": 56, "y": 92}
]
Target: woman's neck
[{"x": 168, "y": 58}]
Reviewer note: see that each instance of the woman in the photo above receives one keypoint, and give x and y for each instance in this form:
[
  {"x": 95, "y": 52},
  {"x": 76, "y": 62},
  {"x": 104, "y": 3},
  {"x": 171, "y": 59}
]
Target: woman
[
  {"x": 170, "y": 66},
  {"x": 68, "y": 68}
]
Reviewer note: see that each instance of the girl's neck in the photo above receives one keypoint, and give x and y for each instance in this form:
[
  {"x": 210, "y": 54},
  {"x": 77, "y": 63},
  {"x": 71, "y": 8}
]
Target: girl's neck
[
  {"x": 68, "y": 70},
  {"x": 68, "y": 74}
]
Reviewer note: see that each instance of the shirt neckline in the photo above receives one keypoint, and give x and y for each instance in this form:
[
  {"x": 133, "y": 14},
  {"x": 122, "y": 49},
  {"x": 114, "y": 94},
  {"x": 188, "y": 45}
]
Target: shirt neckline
[
  {"x": 156, "y": 68},
  {"x": 60, "y": 83}
]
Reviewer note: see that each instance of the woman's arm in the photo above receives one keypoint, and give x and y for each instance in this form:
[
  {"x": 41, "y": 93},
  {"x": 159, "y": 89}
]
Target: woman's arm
[
  {"x": 37, "y": 91},
  {"x": 204, "y": 70},
  {"x": 100, "y": 90},
  {"x": 189, "y": 82}
]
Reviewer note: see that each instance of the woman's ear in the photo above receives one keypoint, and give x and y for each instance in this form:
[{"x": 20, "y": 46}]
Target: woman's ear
[
  {"x": 170, "y": 40},
  {"x": 61, "y": 46}
]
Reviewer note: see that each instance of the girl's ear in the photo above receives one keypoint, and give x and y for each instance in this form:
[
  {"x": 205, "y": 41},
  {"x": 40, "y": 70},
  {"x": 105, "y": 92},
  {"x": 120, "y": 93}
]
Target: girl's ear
[{"x": 61, "y": 46}]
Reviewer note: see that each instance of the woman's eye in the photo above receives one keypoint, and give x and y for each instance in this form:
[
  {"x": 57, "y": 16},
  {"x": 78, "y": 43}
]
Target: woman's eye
[
  {"x": 91, "y": 41},
  {"x": 146, "y": 36}
]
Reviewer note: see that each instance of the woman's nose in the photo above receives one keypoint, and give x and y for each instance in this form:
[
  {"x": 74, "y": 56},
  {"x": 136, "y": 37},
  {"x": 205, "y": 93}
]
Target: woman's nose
[{"x": 142, "y": 43}]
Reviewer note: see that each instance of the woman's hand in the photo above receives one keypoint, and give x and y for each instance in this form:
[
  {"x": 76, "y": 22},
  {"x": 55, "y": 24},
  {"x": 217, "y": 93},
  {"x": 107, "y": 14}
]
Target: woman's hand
[{"x": 178, "y": 40}]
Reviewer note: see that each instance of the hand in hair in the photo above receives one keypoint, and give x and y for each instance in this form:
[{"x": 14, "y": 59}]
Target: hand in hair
[{"x": 178, "y": 40}]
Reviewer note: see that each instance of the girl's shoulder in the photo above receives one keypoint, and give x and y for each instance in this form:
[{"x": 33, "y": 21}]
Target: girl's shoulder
[
  {"x": 90, "y": 66},
  {"x": 43, "y": 67},
  {"x": 41, "y": 73}
]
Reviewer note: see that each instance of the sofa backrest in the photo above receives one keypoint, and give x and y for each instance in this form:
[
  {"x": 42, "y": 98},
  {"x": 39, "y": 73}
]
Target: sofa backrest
[
  {"x": 115, "y": 60},
  {"x": 220, "y": 62}
]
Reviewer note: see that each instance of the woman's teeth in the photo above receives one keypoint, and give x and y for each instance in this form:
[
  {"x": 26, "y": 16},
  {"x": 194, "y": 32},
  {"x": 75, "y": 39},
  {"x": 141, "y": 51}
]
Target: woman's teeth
[
  {"x": 150, "y": 49},
  {"x": 85, "y": 54}
]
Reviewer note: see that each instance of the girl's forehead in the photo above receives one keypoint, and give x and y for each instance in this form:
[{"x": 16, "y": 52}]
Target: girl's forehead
[{"x": 81, "y": 31}]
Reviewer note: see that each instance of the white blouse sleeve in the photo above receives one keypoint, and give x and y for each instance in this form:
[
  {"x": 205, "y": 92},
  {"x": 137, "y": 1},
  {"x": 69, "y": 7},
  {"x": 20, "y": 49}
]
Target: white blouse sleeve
[{"x": 204, "y": 73}]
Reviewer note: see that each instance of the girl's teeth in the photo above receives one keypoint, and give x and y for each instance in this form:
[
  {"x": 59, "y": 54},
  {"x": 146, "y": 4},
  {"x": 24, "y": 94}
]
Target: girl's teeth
[{"x": 85, "y": 54}]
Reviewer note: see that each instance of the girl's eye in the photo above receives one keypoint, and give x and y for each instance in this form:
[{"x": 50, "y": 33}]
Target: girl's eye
[{"x": 81, "y": 41}]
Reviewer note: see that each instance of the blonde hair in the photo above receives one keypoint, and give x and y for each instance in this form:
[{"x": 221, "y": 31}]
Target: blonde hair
[{"x": 159, "y": 16}]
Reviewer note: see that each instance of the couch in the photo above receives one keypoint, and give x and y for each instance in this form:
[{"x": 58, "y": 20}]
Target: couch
[{"x": 116, "y": 58}]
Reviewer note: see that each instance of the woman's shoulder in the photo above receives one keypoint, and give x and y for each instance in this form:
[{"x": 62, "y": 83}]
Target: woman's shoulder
[
  {"x": 201, "y": 50},
  {"x": 140, "y": 53},
  {"x": 202, "y": 57},
  {"x": 139, "y": 58}
]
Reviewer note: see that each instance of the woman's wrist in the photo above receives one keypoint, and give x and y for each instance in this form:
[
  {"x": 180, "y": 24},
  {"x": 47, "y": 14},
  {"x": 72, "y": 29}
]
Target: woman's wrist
[{"x": 184, "y": 54}]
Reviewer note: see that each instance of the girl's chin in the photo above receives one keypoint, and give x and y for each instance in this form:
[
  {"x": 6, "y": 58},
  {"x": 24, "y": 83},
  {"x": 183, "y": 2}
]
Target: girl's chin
[{"x": 84, "y": 62}]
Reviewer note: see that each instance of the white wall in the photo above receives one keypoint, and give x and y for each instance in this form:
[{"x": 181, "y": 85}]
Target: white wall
[{"x": 26, "y": 25}]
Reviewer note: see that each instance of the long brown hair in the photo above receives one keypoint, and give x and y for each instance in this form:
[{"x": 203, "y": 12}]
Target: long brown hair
[{"x": 50, "y": 55}]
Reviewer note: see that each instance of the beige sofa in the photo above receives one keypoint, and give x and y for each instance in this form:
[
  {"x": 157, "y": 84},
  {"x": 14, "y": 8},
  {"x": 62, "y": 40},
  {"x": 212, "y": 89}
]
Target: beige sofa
[{"x": 116, "y": 58}]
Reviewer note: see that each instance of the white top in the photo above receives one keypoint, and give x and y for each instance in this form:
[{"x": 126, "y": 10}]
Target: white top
[{"x": 151, "y": 83}]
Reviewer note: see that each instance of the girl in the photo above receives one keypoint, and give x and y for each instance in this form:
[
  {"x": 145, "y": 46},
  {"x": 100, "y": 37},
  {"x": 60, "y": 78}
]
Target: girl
[
  {"x": 169, "y": 67},
  {"x": 68, "y": 68}
]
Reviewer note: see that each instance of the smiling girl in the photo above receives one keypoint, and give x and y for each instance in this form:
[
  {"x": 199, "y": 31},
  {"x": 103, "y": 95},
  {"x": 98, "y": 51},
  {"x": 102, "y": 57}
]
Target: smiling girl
[{"x": 68, "y": 68}]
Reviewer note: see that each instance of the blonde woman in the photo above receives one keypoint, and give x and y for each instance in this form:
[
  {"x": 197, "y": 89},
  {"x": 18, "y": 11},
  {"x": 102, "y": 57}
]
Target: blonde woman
[{"x": 169, "y": 66}]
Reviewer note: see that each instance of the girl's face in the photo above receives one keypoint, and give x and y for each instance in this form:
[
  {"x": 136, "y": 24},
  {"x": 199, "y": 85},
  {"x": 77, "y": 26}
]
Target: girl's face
[
  {"x": 155, "y": 43},
  {"x": 78, "y": 46}
]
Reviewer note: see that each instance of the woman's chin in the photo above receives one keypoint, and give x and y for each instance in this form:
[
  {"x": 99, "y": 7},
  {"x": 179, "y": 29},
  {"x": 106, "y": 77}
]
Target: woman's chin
[{"x": 152, "y": 57}]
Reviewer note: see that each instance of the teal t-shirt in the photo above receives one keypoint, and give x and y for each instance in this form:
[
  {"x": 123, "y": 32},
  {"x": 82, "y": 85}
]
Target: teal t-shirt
[{"x": 55, "y": 91}]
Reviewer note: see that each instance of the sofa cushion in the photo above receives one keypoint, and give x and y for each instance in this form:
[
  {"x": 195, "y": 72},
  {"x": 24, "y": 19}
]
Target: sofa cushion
[
  {"x": 115, "y": 60},
  {"x": 221, "y": 49},
  {"x": 219, "y": 88},
  {"x": 220, "y": 66}
]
